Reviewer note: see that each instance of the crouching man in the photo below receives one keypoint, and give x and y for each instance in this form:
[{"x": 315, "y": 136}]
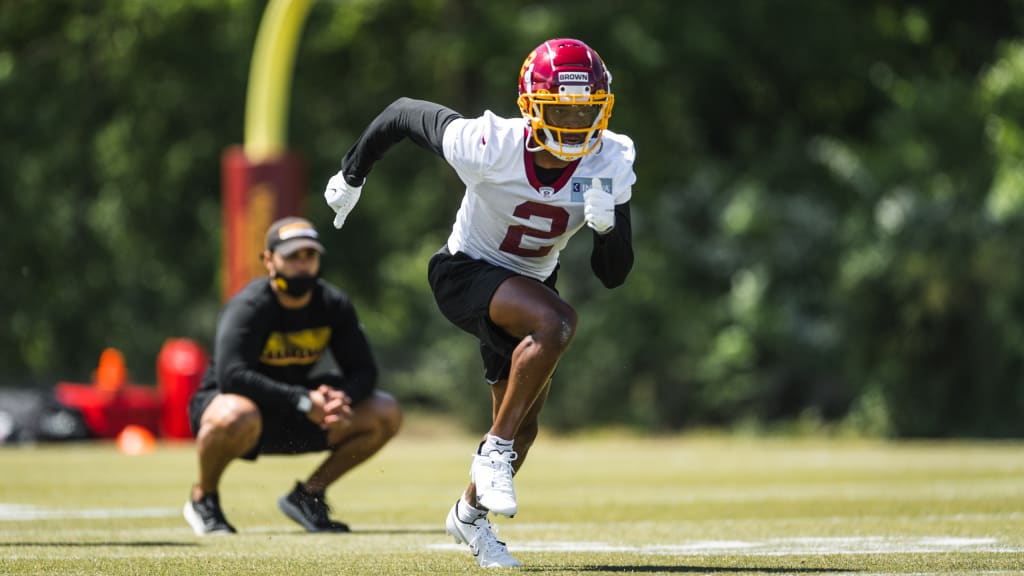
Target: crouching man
[{"x": 258, "y": 397}]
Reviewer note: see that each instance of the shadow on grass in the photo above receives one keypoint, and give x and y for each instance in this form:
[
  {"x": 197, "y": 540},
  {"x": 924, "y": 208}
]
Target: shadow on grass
[
  {"x": 661, "y": 569},
  {"x": 353, "y": 533},
  {"x": 92, "y": 544},
  {"x": 395, "y": 531}
]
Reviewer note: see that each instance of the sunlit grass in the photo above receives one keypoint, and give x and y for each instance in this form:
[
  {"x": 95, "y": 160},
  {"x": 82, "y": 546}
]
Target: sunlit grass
[{"x": 600, "y": 504}]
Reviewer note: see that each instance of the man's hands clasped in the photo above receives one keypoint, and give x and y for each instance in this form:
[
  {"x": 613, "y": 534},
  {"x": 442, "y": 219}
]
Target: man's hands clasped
[{"x": 330, "y": 407}]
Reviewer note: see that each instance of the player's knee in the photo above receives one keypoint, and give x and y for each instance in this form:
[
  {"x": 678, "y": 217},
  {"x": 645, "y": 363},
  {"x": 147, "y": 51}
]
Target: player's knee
[{"x": 558, "y": 326}]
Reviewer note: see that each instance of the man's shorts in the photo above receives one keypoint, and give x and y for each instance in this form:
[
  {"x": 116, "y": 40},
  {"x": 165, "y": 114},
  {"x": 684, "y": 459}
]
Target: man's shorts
[
  {"x": 285, "y": 430},
  {"x": 463, "y": 288}
]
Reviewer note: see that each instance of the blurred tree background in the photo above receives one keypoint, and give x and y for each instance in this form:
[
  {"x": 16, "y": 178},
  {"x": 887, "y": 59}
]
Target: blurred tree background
[{"x": 828, "y": 216}]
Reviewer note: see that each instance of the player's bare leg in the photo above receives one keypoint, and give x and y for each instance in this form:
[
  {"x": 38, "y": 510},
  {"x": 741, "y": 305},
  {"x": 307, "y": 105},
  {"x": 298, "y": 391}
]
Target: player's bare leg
[
  {"x": 467, "y": 520},
  {"x": 530, "y": 426},
  {"x": 546, "y": 324},
  {"x": 524, "y": 439}
]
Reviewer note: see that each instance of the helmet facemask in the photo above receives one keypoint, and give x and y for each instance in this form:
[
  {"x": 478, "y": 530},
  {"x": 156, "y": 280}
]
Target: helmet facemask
[{"x": 569, "y": 124}]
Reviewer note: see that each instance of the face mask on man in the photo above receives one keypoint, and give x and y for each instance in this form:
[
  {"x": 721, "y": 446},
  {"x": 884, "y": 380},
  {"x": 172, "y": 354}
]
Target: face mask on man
[{"x": 295, "y": 286}]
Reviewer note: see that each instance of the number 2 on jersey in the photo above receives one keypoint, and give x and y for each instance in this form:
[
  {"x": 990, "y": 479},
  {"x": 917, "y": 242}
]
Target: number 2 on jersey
[{"x": 558, "y": 217}]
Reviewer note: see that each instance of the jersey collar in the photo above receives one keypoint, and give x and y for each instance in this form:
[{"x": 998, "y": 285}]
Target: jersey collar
[{"x": 531, "y": 172}]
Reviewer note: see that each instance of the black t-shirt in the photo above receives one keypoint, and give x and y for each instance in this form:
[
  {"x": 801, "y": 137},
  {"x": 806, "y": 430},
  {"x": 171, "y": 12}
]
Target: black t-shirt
[{"x": 265, "y": 352}]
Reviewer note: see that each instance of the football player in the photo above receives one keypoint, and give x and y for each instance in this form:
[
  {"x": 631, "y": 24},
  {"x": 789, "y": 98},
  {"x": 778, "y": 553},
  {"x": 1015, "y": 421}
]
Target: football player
[{"x": 532, "y": 183}]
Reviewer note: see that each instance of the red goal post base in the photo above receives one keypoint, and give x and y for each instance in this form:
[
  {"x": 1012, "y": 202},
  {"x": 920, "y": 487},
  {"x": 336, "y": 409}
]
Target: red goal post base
[{"x": 254, "y": 194}]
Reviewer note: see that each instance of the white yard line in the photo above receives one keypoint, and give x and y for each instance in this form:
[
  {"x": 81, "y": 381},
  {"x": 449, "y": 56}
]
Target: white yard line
[
  {"x": 25, "y": 512},
  {"x": 795, "y": 546},
  {"x": 774, "y": 546}
]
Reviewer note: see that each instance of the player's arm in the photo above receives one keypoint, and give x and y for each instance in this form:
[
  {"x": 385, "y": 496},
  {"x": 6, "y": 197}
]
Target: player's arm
[
  {"x": 241, "y": 332},
  {"x": 418, "y": 120},
  {"x": 421, "y": 121},
  {"x": 352, "y": 353},
  {"x": 612, "y": 256}
]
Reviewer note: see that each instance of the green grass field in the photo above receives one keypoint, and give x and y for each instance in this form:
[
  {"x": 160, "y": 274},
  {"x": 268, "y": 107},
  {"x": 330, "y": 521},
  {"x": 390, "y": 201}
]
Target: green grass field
[{"x": 600, "y": 504}]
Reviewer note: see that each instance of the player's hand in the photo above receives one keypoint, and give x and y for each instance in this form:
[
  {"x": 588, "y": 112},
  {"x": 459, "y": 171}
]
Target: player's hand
[
  {"x": 341, "y": 197},
  {"x": 599, "y": 208}
]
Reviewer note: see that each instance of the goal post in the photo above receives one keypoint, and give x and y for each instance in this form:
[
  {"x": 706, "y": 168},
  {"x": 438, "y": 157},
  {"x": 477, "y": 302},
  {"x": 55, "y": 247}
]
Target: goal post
[{"x": 261, "y": 180}]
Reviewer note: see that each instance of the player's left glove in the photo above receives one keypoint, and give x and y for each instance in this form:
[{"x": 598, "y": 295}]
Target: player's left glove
[
  {"x": 341, "y": 197},
  {"x": 599, "y": 208}
]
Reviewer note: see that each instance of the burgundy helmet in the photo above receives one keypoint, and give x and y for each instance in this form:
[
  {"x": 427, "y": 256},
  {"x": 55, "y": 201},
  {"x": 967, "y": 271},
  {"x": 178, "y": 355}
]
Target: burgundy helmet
[{"x": 565, "y": 94}]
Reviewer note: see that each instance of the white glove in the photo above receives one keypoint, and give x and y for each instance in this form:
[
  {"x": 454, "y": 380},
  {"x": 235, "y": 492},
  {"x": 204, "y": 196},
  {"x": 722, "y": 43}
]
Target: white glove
[
  {"x": 341, "y": 197},
  {"x": 599, "y": 208}
]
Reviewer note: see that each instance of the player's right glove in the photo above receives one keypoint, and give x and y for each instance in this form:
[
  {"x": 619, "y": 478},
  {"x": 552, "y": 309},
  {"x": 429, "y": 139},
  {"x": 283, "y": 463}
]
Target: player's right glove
[{"x": 341, "y": 197}]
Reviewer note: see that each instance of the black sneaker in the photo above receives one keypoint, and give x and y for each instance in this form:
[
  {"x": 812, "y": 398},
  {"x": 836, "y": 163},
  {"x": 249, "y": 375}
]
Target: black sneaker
[
  {"x": 206, "y": 517},
  {"x": 309, "y": 510}
]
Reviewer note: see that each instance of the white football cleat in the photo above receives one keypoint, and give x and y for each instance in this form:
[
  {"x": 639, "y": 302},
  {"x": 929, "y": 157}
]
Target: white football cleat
[
  {"x": 492, "y": 475},
  {"x": 485, "y": 546}
]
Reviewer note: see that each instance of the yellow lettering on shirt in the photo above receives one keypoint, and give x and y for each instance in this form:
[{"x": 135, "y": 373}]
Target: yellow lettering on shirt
[{"x": 289, "y": 348}]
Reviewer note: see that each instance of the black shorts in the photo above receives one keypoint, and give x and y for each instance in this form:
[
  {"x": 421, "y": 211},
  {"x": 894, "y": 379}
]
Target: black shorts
[
  {"x": 285, "y": 430},
  {"x": 463, "y": 288}
]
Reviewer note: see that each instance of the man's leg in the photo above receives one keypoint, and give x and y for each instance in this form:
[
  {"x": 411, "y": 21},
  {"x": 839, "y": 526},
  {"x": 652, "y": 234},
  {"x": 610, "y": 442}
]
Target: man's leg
[
  {"x": 374, "y": 422},
  {"x": 229, "y": 428}
]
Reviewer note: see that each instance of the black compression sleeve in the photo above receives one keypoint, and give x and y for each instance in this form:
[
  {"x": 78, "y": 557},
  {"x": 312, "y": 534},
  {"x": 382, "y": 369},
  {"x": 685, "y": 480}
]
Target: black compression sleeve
[
  {"x": 421, "y": 121},
  {"x": 612, "y": 256}
]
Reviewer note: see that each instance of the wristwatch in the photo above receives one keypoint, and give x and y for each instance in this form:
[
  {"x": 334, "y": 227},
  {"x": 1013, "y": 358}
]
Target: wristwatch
[{"x": 304, "y": 404}]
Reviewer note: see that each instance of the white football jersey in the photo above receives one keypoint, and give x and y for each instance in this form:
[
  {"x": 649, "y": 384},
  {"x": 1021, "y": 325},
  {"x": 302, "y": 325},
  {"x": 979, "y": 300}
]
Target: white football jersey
[{"x": 507, "y": 217}]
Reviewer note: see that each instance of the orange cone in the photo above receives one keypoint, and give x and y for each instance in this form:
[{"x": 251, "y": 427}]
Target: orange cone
[
  {"x": 111, "y": 373},
  {"x": 134, "y": 440}
]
